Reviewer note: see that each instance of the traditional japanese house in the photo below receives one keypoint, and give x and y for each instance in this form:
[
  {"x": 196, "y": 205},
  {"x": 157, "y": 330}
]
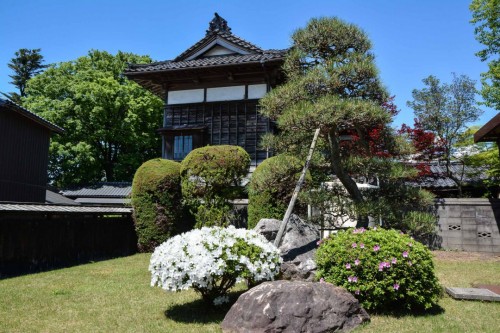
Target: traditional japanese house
[
  {"x": 24, "y": 149},
  {"x": 211, "y": 92}
]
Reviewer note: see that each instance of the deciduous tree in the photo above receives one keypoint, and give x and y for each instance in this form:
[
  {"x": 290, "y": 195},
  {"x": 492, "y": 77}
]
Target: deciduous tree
[
  {"x": 110, "y": 122},
  {"x": 486, "y": 18},
  {"x": 446, "y": 109}
]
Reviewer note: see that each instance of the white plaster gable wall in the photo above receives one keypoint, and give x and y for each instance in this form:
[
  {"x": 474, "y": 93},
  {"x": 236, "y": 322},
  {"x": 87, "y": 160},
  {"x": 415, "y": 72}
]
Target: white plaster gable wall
[{"x": 218, "y": 50}]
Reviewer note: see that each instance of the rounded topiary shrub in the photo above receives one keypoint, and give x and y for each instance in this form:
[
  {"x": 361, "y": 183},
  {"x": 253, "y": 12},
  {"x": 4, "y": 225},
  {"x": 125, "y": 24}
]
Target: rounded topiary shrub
[
  {"x": 384, "y": 269},
  {"x": 271, "y": 188},
  {"x": 212, "y": 260},
  {"x": 211, "y": 177},
  {"x": 157, "y": 202}
]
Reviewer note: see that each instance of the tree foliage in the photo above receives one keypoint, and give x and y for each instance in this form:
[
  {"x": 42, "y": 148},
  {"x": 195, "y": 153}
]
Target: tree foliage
[
  {"x": 271, "y": 188},
  {"x": 483, "y": 159},
  {"x": 446, "y": 109},
  {"x": 110, "y": 122},
  {"x": 333, "y": 84},
  {"x": 486, "y": 18},
  {"x": 211, "y": 177},
  {"x": 26, "y": 64}
]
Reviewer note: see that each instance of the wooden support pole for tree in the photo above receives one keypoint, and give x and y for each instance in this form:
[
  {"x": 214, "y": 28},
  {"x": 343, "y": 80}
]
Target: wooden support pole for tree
[{"x": 283, "y": 224}]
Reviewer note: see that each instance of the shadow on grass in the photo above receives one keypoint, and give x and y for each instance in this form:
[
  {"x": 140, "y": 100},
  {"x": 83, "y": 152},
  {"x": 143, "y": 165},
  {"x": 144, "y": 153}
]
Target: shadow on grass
[
  {"x": 21, "y": 269},
  {"x": 201, "y": 312},
  {"x": 401, "y": 313}
]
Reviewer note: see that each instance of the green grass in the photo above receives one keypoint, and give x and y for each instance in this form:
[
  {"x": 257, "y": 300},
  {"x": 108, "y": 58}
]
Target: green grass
[
  {"x": 115, "y": 296},
  {"x": 451, "y": 315}
]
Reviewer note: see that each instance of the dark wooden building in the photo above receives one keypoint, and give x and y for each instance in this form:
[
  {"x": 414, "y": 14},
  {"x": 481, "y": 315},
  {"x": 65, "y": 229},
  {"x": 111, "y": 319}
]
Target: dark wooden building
[
  {"x": 211, "y": 92},
  {"x": 490, "y": 132},
  {"x": 24, "y": 138}
]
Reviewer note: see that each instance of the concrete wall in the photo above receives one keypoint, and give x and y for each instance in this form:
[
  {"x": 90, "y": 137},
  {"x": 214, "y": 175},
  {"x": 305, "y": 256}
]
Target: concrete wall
[{"x": 469, "y": 224}]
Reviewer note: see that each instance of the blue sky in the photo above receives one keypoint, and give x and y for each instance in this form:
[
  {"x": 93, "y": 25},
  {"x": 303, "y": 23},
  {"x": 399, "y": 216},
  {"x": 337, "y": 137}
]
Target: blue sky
[{"x": 412, "y": 38}]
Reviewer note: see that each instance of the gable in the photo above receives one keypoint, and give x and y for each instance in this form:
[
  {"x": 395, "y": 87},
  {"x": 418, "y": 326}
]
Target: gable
[
  {"x": 217, "y": 50},
  {"x": 218, "y": 47},
  {"x": 218, "y": 41}
]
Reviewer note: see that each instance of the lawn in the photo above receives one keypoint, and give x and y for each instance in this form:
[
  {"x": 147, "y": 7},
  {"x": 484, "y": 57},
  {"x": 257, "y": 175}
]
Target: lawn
[{"x": 115, "y": 296}]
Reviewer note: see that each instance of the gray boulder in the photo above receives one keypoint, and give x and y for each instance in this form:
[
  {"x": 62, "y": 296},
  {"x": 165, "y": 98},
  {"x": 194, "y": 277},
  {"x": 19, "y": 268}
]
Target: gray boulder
[
  {"x": 294, "y": 306},
  {"x": 298, "y": 246}
]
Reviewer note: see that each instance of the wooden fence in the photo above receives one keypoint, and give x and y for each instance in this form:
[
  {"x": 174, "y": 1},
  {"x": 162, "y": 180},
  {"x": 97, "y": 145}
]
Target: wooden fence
[{"x": 33, "y": 241}]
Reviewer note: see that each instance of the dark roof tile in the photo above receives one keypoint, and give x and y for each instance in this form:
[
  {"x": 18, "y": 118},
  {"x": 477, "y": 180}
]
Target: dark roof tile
[
  {"x": 438, "y": 178},
  {"x": 100, "y": 190},
  {"x": 18, "y": 207},
  {"x": 56, "y": 198},
  {"x": 207, "y": 62},
  {"x": 27, "y": 113},
  {"x": 237, "y": 41}
]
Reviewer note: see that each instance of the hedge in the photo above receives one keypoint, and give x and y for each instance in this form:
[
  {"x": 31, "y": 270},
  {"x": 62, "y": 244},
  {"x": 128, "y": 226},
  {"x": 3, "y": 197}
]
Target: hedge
[{"x": 157, "y": 201}]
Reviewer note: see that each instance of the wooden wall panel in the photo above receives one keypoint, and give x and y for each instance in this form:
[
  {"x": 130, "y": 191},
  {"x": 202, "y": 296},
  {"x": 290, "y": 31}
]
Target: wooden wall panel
[
  {"x": 234, "y": 123},
  {"x": 23, "y": 158},
  {"x": 36, "y": 241}
]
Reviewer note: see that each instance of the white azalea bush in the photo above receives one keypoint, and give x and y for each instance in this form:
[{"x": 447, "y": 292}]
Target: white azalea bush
[{"x": 212, "y": 260}]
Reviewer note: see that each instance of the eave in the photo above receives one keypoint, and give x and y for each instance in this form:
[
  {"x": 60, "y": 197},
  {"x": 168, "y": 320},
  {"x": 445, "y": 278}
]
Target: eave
[
  {"x": 490, "y": 132},
  {"x": 158, "y": 81}
]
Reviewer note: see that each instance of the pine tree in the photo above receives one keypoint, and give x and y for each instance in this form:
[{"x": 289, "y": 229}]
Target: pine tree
[
  {"x": 333, "y": 84},
  {"x": 26, "y": 64}
]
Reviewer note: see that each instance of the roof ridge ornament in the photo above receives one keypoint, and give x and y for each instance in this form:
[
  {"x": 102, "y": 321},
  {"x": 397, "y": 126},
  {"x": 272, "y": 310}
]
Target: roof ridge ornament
[{"x": 218, "y": 24}]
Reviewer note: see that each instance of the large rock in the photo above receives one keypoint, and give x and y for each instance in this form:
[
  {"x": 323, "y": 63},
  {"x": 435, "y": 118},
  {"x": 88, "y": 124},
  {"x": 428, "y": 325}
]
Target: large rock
[
  {"x": 298, "y": 246},
  {"x": 294, "y": 306}
]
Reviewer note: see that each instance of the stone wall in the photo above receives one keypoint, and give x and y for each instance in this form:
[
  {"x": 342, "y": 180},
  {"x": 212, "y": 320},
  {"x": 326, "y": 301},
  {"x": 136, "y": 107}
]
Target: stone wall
[{"x": 470, "y": 224}]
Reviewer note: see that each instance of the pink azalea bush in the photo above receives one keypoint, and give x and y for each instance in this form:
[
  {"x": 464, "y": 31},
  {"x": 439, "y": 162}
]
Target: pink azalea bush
[{"x": 390, "y": 270}]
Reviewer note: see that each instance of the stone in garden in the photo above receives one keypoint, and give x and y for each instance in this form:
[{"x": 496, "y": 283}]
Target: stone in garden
[
  {"x": 298, "y": 246},
  {"x": 294, "y": 306},
  {"x": 473, "y": 294}
]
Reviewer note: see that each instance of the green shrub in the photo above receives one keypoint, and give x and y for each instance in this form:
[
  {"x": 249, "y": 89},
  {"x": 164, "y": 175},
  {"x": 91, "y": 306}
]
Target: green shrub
[
  {"x": 210, "y": 179},
  {"x": 157, "y": 202},
  {"x": 384, "y": 269},
  {"x": 419, "y": 224},
  {"x": 211, "y": 260},
  {"x": 271, "y": 188}
]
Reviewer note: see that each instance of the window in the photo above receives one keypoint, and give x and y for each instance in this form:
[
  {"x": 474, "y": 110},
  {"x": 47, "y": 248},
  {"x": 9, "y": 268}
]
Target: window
[{"x": 182, "y": 146}]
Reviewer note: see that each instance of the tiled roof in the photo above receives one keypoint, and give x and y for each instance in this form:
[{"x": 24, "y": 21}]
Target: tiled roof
[
  {"x": 103, "y": 201},
  {"x": 62, "y": 209},
  {"x": 218, "y": 33},
  {"x": 210, "y": 37},
  {"x": 438, "y": 178},
  {"x": 28, "y": 114},
  {"x": 265, "y": 56},
  {"x": 100, "y": 190},
  {"x": 56, "y": 198}
]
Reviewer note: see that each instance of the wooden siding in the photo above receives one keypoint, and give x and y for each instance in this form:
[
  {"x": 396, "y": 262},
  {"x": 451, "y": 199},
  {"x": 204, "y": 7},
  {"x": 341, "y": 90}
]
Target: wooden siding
[
  {"x": 23, "y": 158},
  {"x": 227, "y": 123},
  {"x": 37, "y": 241}
]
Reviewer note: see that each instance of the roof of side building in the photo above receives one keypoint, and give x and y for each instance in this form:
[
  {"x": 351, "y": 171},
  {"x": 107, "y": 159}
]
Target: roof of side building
[{"x": 30, "y": 115}]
